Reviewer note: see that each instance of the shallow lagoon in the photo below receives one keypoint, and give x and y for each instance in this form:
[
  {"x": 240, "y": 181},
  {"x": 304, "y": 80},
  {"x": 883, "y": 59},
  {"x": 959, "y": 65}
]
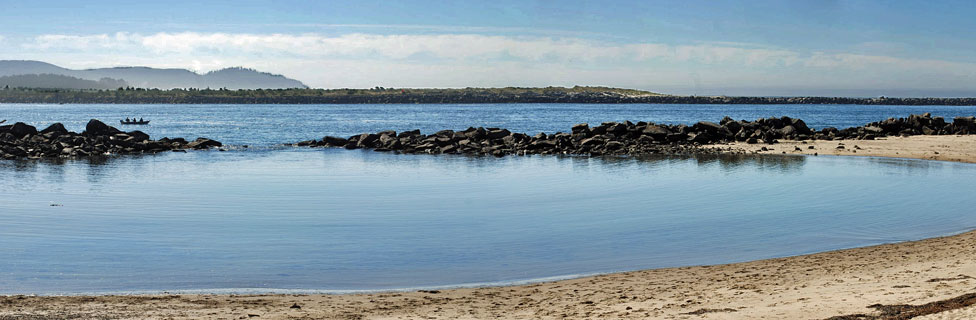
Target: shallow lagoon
[{"x": 336, "y": 220}]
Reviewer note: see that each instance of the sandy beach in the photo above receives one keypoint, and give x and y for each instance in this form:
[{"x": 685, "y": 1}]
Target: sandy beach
[
  {"x": 942, "y": 148},
  {"x": 930, "y": 279}
]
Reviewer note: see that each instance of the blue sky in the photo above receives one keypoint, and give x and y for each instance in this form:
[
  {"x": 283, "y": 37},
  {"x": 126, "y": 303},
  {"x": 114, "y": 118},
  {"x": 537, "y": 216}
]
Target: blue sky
[{"x": 863, "y": 48}]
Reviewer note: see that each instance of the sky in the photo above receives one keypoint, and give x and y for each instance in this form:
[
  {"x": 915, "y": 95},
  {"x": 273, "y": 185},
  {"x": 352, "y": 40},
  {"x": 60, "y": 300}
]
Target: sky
[{"x": 760, "y": 47}]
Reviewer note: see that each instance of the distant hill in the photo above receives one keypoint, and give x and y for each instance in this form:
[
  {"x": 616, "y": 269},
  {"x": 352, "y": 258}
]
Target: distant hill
[
  {"x": 144, "y": 77},
  {"x": 51, "y": 81}
]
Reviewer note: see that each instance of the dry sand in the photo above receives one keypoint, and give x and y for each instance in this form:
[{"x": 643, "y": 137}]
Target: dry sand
[
  {"x": 944, "y": 148},
  {"x": 813, "y": 286}
]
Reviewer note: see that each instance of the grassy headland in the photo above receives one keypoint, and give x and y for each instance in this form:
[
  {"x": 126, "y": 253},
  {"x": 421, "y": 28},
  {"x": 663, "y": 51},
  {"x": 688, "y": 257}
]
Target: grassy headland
[
  {"x": 309, "y": 96},
  {"x": 576, "y": 94}
]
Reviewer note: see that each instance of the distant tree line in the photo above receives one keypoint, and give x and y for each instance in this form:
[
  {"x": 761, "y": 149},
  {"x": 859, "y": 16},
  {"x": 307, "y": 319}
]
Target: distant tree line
[{"x": 578, "y": 94}]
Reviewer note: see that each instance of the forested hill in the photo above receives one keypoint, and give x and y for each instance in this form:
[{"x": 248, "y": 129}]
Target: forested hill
[
  {"x": 58, "y": 81},
  {"x": 389, "y": 95},
  {"x": 145, "y": 77}
]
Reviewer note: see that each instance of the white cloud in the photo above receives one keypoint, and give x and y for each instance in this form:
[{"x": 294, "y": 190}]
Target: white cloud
[
  {"x": 459, "y": 60},
  {"x": 401, "y": 47}
]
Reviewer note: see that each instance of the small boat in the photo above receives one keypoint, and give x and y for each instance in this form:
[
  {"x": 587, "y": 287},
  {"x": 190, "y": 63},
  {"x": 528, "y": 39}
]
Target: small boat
[{"x": 134, "y": 122}]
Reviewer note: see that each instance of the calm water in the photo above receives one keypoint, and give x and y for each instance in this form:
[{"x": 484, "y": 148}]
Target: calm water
[
  {"x": 332, "y": 220},
  {"x": 266, "y": 125}
]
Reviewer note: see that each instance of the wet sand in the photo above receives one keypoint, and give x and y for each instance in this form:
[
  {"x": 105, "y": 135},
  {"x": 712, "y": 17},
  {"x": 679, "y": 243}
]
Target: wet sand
[{"x": 816, "y": 286}]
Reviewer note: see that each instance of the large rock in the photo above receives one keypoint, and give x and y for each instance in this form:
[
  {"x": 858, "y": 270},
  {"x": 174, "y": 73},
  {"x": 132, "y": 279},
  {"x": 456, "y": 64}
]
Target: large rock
[
  {"x": 21, "y": 130},
  {"x": 594, "y": 141},
  {"x": 581, "y": 128},
  {"x": 786, "y": 131},
  {"x": 138, "y": 135},
  {"x": 732, "y": 126},
  {"x": 873, "y": 129},
  {"x": 366, "y": 140},
  {"x": 412, "y": 133},
  {"x": 615, "y": 128},
  {"x": 334, "y": 141},
  {"x": 204, "y": 143},
  {"x": 97, "y": 128},
  {"x": 710, "y": 127},
  {"x": 801, "y": 127},
  {"x": 656, "y": 132},
  {"x": 498, "y": 133},
  {"x": 56, "y": 129},
  {"x": 964, "y": 122}
]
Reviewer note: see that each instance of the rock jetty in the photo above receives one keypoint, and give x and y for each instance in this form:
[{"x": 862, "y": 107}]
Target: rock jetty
[
  {"x": 20, "y": 140},
  {"x": 629, "y": 138}
]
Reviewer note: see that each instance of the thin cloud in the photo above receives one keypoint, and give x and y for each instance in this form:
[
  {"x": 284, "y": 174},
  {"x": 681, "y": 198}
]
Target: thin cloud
[
  {"x": 470, "y": 59},
  {"x": 453, "y": 47}
]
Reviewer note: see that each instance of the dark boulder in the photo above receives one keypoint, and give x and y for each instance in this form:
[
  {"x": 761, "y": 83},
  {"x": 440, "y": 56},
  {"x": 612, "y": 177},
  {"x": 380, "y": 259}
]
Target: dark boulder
[
  {"x": 706, "y": 126},
  {"x": 615, "y": 128},
  {"x": 786, "y": 131},
  {"x": 367, "y": 140},
  {"x": 801, "y": 127},
  {"x": 964, "y": 125},
  {"x": 498, "y": 133},
  {"x": 732, "y": 126},
  {"x": 56, "y": 129},
  {"x": 964, "y": 121},
  {"x": 614, "y": 145},
  {"x": 204, "y": 143},
  {"x": 581, "y": 128},
  {"x": 97, "y": 128},
  {"x": 334, "y": 141},
  {"x": 138, "y": 135},
  {"x": 594, "y": 141},
  {"x": 21, "y": 130},
  {"x": 598, "y": 130},
  {"x": 412, "y": 133},
  {"x": 656, "y": 132},
  {"x": 873, "y": 129},
  {"x": 445, "y": 133}
]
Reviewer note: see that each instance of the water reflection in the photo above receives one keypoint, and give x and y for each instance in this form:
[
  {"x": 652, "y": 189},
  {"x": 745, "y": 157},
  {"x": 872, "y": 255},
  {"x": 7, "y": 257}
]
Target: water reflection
[
  {"x": 340, "y": 219},
  {"x": 98, "y": 168}
]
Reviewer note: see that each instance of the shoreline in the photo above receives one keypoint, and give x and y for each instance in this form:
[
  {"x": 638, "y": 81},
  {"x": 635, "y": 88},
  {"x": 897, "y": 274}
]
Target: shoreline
[
  {"x": 510, "y": 95},
  {"x": 818, "y": 285}
]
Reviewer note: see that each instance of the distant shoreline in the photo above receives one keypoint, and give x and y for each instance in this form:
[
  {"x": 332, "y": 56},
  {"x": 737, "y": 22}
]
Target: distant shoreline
[{"x": 579, "y": 95}]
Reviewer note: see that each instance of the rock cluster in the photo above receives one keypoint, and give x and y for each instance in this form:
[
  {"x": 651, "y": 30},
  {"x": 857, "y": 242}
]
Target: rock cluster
[
  {"x": 628, "y": 138},
  {"x": 923, "y": 124},
  {"x": 20, "y": 140},
  {"x": 771, "y": 129}
]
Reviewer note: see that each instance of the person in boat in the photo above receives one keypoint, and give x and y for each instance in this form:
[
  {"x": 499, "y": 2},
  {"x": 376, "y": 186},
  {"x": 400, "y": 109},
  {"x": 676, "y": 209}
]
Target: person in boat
[
  {"x": 127, "y": 119},
  {"x": 140, "y": 120}
]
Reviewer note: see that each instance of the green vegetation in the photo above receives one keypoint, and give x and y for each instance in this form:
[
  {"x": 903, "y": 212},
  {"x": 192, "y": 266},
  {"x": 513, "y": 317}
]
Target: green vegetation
[
  {"x": 380, "y": 95},
  {"x": 271, "y": 96}
]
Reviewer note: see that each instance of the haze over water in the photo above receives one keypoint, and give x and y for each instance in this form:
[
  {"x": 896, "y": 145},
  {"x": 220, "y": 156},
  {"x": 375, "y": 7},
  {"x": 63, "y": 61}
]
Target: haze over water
[{"x": 263, "y": 219}]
